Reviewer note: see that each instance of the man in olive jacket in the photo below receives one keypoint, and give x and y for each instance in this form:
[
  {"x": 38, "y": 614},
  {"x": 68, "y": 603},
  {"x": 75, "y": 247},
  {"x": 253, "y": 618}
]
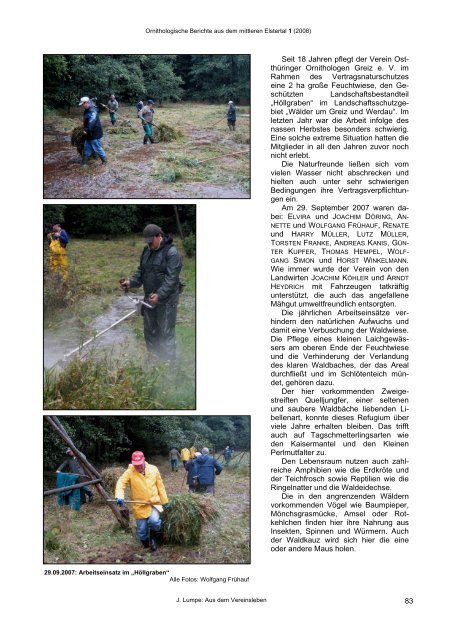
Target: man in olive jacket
[
  {"x": 158, "y": 272},
  {"x": 145, "y": 485}
]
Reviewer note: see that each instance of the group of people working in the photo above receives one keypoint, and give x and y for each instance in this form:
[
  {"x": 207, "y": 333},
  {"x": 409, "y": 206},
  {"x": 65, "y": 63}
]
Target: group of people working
[
  {"x": 148, "y": 496},
  {"x": 92, "y": 125}
]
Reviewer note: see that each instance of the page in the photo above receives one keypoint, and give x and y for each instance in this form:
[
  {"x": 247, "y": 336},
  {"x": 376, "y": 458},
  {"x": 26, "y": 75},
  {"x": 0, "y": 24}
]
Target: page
[{"x": 242, "y": 313}]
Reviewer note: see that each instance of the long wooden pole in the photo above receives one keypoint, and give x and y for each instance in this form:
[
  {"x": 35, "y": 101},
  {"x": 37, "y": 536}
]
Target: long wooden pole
[
  {"x": 54, "y": 421},
  {"x": 91, "y": 471},
  {"x": 70, "y": 487}
]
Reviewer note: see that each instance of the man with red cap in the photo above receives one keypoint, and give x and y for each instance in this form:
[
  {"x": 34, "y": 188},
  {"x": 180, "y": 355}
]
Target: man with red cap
[{"x": 145, "y": 485}]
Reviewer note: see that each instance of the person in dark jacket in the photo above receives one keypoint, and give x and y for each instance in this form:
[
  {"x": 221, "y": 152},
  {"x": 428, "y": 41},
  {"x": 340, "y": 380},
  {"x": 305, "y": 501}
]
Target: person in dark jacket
[
  {"x": 227, "y": 453},
  {"x": 73, "y": 466},
  {"x": 206, "y": 469},
  {"x": 92, "y": 128},
  {"x": 231, "y": 116},
  {"x": 158, "y": 273},
  {"x": 189, "y": 466}
]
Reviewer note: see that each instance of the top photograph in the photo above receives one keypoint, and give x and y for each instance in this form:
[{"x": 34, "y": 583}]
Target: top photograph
[{"x": 146, "y": 126}]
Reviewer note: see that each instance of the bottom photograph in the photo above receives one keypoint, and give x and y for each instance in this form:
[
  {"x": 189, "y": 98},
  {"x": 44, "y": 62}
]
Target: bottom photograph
[{"x": 146, "y": 489}]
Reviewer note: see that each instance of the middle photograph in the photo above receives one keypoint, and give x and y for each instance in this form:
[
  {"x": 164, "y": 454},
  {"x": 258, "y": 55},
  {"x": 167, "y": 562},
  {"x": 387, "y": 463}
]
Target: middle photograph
[{"x": 119, "y": 307}]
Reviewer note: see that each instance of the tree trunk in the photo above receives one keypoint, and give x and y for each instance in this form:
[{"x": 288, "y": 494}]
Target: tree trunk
[{"x": 178, "y": 221}]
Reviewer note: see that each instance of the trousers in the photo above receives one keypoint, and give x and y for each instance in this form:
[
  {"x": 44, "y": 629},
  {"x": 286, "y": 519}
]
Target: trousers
[
  {"x": 159, "y": 330},
  {"x": 145, "y": 525},
  {"x": 93, "y": 146}
]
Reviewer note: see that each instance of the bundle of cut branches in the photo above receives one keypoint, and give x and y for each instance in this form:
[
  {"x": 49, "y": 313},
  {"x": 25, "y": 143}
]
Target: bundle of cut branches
[
  {"x": 78, "y": 139},
  {"x": 110, "y": 477},
  {"x": 124, "y": 127},
  {"x": 166, "y": 133},
  {"x": 183, "y": 520}
]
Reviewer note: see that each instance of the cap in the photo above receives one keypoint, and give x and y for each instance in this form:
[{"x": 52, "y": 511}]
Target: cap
[
  {"x": 138, "y": 458},
  {"x": 84, "y": 99},
  {"x": 68, "y": 450},
  {"x": 150, "y": 101},
  {"x": 197, "y": 454},
  {"x": 150, "y": 231},
  {"x": 230, "y": 102}
]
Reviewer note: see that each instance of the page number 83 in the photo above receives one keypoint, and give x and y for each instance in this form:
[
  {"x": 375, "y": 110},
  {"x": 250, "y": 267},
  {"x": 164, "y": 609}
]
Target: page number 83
[{"x": 408, "y": 600}]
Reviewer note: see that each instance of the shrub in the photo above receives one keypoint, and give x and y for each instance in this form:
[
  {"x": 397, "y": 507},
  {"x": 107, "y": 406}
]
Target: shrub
[{"x": 189, "y": 244}]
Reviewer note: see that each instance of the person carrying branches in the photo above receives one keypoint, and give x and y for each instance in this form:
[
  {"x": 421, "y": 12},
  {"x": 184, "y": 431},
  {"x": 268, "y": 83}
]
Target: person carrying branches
[
  {"x": 146, "y": 487},
  {"x": 92, "y": 129}
]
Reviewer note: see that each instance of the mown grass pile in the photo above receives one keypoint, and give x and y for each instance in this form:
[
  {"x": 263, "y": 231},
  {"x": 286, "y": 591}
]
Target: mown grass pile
[
  {"x": 166, "y": 133},
  {"x": 182, "y": 522},
  {"x": 124, "y": 127},
  {"x": 78, "y": 139},
  {"x": 110, "y": 476}
]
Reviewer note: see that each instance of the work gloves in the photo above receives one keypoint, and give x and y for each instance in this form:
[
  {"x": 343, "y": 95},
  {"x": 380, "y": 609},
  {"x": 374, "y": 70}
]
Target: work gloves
[
  {"x": 165, "y": 506},
  {"x": 120, "y": 501}
]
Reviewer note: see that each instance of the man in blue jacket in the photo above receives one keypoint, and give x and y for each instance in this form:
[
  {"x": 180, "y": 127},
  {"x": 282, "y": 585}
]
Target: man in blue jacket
[
  {"x": 92, "y": 128},
  {"x": 206, "y": 468}
]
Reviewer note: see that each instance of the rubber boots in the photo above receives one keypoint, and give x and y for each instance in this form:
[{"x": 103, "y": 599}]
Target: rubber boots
[
  {"x": 104, "y": 160},
  {"x": 145, "y": 544},
  {"x": 84, "y": 160},
  {"x": 145, "y": 139}
]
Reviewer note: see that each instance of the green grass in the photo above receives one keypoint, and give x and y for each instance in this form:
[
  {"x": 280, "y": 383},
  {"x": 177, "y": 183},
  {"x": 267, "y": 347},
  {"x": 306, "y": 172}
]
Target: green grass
[
  {"x": 92, "y": 534},
  {"x": 120, "y": 377},
  {"x": 174, "y": 162}
]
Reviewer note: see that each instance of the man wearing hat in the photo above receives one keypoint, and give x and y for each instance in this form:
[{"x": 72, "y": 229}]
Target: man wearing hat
[
  {"x": 206, "y": 468},
  {"x": 158, "y": 272},
  {"x": 146, "y": 115},
  {"x": 145, "y": 485},
  {"x": 92, "y": 128},
  {"x": 231, "y": 116},
  {"x": 72, "y": 465}
]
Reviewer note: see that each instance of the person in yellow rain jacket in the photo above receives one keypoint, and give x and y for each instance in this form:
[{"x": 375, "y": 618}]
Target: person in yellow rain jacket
[
  {"x": 58, "y": 239},
  {"x": 146, "y": 485}
]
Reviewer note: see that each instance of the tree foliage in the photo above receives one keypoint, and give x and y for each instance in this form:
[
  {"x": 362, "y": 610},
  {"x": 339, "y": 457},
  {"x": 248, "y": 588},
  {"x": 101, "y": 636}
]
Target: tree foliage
[
  {"x": 209, "y": 78},
  {"x": 219, "y": 78},
  {"x": 108, "y": 439}
]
